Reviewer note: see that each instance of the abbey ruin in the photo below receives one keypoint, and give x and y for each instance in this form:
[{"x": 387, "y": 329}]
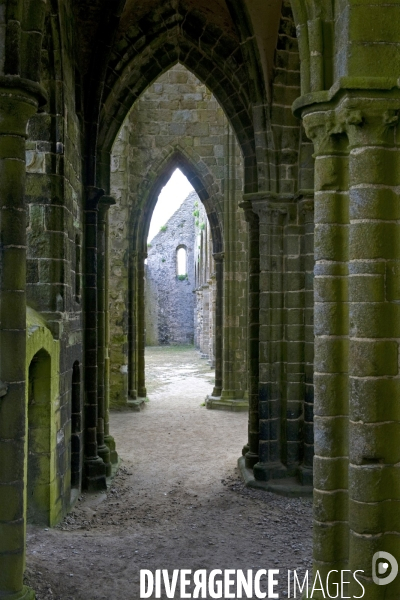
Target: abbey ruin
[{"x": 284, "y": 117}]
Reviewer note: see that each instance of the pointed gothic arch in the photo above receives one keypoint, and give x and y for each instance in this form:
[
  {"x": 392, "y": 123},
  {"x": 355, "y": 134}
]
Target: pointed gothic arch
[
  {"x": 221, "y": 68},
  {"x": 139, "y": 226},
  {"x": 201, "y": 180}
]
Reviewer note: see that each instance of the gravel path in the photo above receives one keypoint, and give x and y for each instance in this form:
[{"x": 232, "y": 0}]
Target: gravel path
[{"x": 176, "y": 503}]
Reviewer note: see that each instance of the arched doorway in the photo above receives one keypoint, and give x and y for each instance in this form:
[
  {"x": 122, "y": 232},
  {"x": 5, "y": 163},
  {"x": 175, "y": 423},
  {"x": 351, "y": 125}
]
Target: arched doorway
[{"x": 39, "y": 438}]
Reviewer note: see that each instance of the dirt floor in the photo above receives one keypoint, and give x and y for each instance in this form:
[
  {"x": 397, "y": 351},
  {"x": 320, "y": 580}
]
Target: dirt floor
[{"x": 176, "y": 503}]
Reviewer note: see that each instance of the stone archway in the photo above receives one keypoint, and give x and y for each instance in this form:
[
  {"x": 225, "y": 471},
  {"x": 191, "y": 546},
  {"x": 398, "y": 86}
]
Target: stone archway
[{"x": 194, "y": 135}]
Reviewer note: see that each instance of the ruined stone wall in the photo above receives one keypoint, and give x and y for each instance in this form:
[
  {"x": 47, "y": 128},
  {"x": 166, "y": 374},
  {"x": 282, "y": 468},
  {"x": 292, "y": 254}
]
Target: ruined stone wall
[
  {"x": 54, "y": 232},
  {"x": 177, "y": 115},
  {"x": 205, "y": 286},
  {"x": 169, "y": 298}
]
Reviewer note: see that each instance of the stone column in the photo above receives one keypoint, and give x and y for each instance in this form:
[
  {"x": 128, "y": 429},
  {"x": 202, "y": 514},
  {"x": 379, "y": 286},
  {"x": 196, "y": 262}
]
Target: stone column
[
  {"x": 331, "y": 328},
  {"x": 306, "y": 208},
  {"x": 18, "y": 102},
  {"x": 219, "y": 278},
  {"x": 250, "y": 451},
  {"x": 234, "y": 396},
  {"x": 137, "y": 332},
  {"x": 140, "y": 325},
  {"x": 102, "y": 448},
  {"x": 278, "y": 425},
  {"x": 211, "y": 316},
  {"x": 94, "y": 468},
  {"x": 272, "y": 381},
  {"x": 374, "y": 315},
  {"x": 205, "y": 321},
  {"x": 108, "y": 438},
  {"x": 132, "y": 367}
]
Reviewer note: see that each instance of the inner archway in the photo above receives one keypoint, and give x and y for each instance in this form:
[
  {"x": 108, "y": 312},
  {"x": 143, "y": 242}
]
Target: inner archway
[
  {"x": 178, "y": 123},
  {"x": 170, "y": 265}
]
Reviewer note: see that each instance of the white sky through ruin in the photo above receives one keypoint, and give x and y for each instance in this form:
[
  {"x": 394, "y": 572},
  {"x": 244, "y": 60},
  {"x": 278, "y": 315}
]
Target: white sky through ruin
[{"x": 170, "y": 199}]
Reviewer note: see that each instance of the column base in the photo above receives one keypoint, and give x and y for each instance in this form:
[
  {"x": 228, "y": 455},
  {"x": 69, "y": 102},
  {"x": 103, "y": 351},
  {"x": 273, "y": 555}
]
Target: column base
[
  {"x": 289, "y": 486},
  {"x": 306, "y": 476},
  {"x": 136, "y": 405},
  {"x": 250, "y": 459},
  {"x": 265, "y": 471},
  {"x": 25, "y": 594},
  {"x": 94, "y": 475},
  {"x": 218, "y": 403},
  {"x": 110, "y": 442},
  {"x": 104, "y": 453}
]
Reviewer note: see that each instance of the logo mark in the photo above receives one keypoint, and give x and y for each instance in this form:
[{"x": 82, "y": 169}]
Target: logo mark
[{"x": 384, "y": 563}]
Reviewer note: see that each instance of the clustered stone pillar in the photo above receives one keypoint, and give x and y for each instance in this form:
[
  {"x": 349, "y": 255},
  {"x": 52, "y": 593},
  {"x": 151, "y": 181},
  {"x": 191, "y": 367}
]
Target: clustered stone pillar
[
  {"x": 234, "y": 393},
  {"x": 374, "y": 311},
  {"x": 132, "y": 345},
  {"x": 357, "y": 336},
  {"x": 140, "y": 324},
  {"x": 18, "y": 103},
  {"x": 307, "y": 265},
  {"x": 219, "y": 284},
  {"x": 205, "y": 299},
  {"x": 136, "y": 331},
  {"x": 103, "y": 449},
  {"x": 280, "y": 343},
  {"x": 272, "y": 439},
  {"x": 94, "y": 467},
  {"x": 211, "y": 317},
  {"x": 108, "y": 438},
  {"x": 250, "y": 450},
  {"x": 331, "y": 345}
]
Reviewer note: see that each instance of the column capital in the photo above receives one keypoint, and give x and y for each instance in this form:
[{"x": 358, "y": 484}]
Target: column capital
[
  {"x": 105, "y": 202},
  {"x": 306, "y": 204},
  {"x": 357, "y": 120},
  {"x": 249, "y": 214},
  {"x": 29, "y": 95},
  {"x": 93, "y": 196},
  {"x": 139, "y": 254},
  {"x": 218, "y": 256},
  {"x": 267, "y": 204}
]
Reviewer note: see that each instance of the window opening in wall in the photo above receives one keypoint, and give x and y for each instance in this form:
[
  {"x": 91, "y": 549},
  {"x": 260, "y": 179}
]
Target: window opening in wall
[
  {"x": 181, "y": 262},
  {"x": 170, "y": 199}
]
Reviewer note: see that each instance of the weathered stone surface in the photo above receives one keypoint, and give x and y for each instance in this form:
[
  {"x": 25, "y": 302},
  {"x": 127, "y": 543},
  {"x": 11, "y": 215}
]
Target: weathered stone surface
[{"x": 169, "y": 295}]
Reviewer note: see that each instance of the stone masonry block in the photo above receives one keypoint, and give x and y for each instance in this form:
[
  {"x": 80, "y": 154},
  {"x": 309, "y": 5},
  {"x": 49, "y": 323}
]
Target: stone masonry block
[
  {"x": 331, "y": 242},
  {"x": 374, "y": 320},
  {"x": 382, "y": 240},
  {"x": 331, "y": 355},
  {"x": 372, "y": 442},
  {"x": 331, "y": 436},
  {"x": 374, "y": 400},
  {"x": 332, "y": 207},
  {"x": 331, "y": 394},
  {"x": 369, "y": 358},
  {"x": 330, "y": 473},
  {"x": 366, "y": 288},
  {"x": 331, "y": 318},
  {"x": 374, "y": 482}
]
